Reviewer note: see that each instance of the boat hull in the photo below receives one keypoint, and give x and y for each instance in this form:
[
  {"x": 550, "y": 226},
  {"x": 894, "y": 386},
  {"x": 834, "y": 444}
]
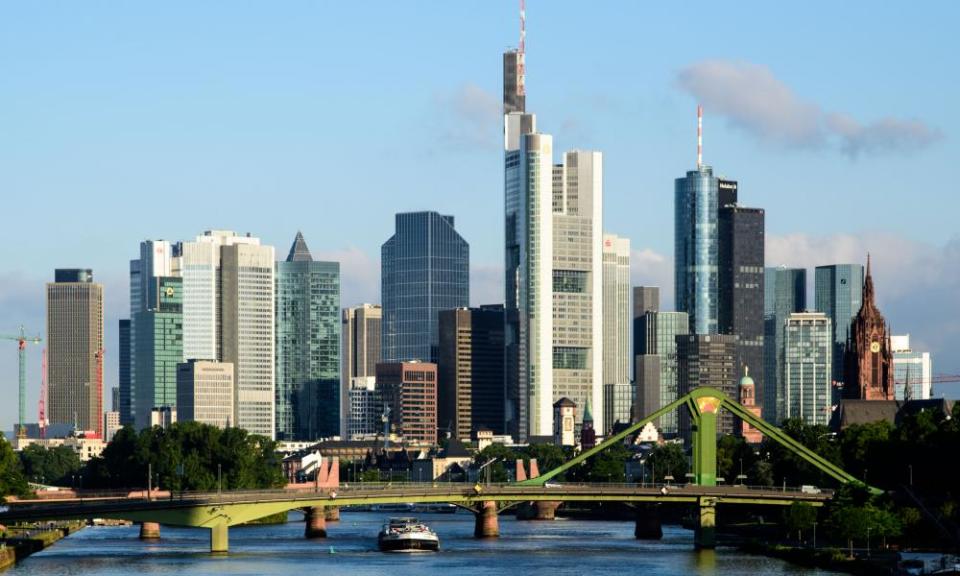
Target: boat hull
[{"x": 408, "y": 544}]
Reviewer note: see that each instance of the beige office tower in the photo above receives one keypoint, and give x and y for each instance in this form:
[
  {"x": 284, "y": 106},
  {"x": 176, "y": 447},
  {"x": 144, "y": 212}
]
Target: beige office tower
[
  {"x": 74, "y": 345},
  {"x": 577, "y": 281},
  {"x": 360, "y": 345},
  {"x": 205, "y": 393},
  {"x": 247, "y": 331},
  {"x": 617, "y": 324}
]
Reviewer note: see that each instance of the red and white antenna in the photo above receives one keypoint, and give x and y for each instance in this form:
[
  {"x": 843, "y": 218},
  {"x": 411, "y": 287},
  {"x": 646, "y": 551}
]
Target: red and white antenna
[
  {"x": 43, "y": 396},
  {"x": 521, "y": 66},
  {"x": 699, "y": 136}
]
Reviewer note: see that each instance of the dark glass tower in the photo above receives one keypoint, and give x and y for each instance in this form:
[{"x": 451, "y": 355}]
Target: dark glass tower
[
  {"x": 125, "y": 408},
  {"x": 784, "y": 292},
  {"x": 741, "y": 285},
  {"x": 838, "y": 293},
  {"x": 425, "y": 268},
  {"x": 307, "y": 346},
  {"x": 696, "y": 248}
]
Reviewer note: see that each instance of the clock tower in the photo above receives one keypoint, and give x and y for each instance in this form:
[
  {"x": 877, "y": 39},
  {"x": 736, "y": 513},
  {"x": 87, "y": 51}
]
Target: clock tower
[{"x": 869, "y": 358}]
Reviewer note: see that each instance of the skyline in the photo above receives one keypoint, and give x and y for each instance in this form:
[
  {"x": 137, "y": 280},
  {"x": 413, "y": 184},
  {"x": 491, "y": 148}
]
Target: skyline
[{"x": 101, "y": 121}]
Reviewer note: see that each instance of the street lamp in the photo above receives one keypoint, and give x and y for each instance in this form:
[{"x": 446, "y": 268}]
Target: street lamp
[
  {"x": 814, "y": 534},
  {"x": 910, "y": 466}
]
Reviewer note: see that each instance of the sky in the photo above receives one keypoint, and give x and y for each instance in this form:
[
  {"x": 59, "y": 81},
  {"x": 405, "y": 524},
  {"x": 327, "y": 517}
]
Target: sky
[{"x": 121, "y": 122}]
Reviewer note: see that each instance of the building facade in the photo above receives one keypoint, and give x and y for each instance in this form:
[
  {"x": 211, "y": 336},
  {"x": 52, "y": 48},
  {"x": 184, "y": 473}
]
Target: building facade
[
  {"x": 409, "y": 389},
  {"x": 158, "y": 346},
  {"x": 205, "y": 393},
  {"x": 707, "y": 360},
  {"x": 741, "y": 283},
  {"x": 124, "y": 375},
  {"x": 308, "y": 346},
  {"x": 645, "y": 299},
  {"x": 784, "y": 292},
  {"x": 425, "y": 268},
  {"x": 912, "y": 370},
  {"x": 471, "y": 370},
  {"x": 617, "y": 321},
  {"x": 869, "y": 355},
  {"x": 75, "y": 350},
  {"x": 838, "y": 293},
  {"x": 366, "y": 407},
  {"x": 660, "y": 378},
  {"x": 360, "y": 335},
  {"x": 807, "y": 367},
  {"x": 696, "y": 248}
]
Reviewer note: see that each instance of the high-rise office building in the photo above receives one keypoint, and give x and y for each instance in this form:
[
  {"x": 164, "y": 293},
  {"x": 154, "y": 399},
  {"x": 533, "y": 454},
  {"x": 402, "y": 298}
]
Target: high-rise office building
[
  {"x": 707, "y": 360},
  {"x": 308, "y": 346},
  {"x": 528, "y": 254},
  {"x": 365, "y": 408},
  {"x": 247, "y": 331},
  {"x": 158, "y": 347},
  {"x": 912, "y": 369},
  {"x": 425, "y": 268},
  {"x": 838, "y": 293},
  {"x": 657, "y": 366},
  {"x": 205, "y": 393},
  {"x": 410, "y": 390},
  {"x": 869, "y": 357},
  {"x": 470, "y": 371},
  {"x": 696, "y": 248},
  {"x": 514, "y": 98},
  {"x": 75, "y": 350},
  {"x": 807, "y": 366},
  {"x": 124, "y": 406},
  {"x": 741, "y": 275},
  {"x": 784, "y": 292},
  {"x": 617, "y": 325},
  {"x": 645, "y": 298},
  {"x": 360, "y": 335}
]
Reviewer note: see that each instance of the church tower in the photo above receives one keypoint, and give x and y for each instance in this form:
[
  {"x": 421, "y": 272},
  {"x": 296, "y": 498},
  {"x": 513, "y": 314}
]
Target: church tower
[{"x": 869, "y": 358}]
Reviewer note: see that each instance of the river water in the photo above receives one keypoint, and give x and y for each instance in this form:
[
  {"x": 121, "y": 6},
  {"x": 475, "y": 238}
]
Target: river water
[{"x": 526, "y": 548}]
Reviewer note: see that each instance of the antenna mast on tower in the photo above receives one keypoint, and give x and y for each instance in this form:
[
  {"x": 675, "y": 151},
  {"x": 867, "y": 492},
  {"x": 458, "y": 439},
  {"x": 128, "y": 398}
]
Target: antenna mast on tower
[
  {"x": 699, "y": 136},
  {"x": 521, "y": 66}
]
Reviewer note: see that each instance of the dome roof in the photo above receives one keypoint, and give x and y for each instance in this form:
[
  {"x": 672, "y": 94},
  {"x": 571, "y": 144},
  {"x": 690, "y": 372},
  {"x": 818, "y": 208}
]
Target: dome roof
[{"x": 746, "y": 380}]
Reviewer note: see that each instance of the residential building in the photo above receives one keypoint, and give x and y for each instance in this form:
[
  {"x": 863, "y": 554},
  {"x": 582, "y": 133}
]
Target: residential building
[
  {"x": 657, "y": 379},
  {"x": 869, "y": 357},
  {"x": 784, "y": 292},
  {"x": 425, "y": 268},
  {"x": 409, "y": 389},
  {"x": 696, "y": 248},
  {"x": 360, "y": 335},
  {"x": 366, "y": 407},
  {"x": 308, "y": 345},
  {"x": 911, "y": 368},
  {"x": 807, "y": 367},
  {"x": 205, "y": 392},
  {"x": 740, "y": 282},
  {"x": 707, "y": 360},
  {"x": 470, "y": 370},
  {"x": 838, "y": 293},
  {"x": 75, "y": 350},
  {"x": 158, "y": 347}
]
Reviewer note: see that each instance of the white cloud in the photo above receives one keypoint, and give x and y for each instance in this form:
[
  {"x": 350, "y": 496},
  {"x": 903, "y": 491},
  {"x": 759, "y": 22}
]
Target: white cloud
[
  {"x": 752, "y": 99},
  {"x": 359, "y": 275},
  {"x": 650, "y": 268},
  {"x": 469, "y": 118}
]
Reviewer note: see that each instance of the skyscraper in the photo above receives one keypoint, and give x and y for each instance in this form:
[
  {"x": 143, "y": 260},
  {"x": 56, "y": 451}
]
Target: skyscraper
[
  {"x": 205, "y": 392},
  {"x": 838, "y": 293},
  {"x": 360, "y": 335},
  {"x": 410, "y": 390},
  {"x": 425, "y": 268},
  {"x": 158, "y": 347},
  {"x": 657, "y": 366},
  {"x": 784, "y": 292},
  {"x": 645, "y": 298},
  {"x": 308, "y": 346},
  {"x": 911, "y": 368},
  {"x": 124, "y": 406},
  {"x": 470, "y": 371},
  {"x": 617, "y": 324},
  {"x": 247, "y": 337},
  {"x": 741, "y": 239},
  {"x": 74, "y": 350},
  {"x": 696, "y": 248},
  {"x": 807, "y": 364},
  {"x": 707, "y": 360}
]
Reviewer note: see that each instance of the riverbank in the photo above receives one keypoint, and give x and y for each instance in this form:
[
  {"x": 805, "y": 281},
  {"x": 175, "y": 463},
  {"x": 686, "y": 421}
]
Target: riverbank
[
  {"x": 834, "y": 559},
  {"x": 21, "y": 543}
]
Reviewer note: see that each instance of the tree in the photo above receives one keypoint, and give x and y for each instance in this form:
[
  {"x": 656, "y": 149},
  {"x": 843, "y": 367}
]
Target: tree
[
  {"x": 12, "y": 482},
  {"x": 504, "y": 457},
  {"x": 49, "y": 465},
  {"x": 668, "y": 460},
  {"x": 798, "y": 517}
]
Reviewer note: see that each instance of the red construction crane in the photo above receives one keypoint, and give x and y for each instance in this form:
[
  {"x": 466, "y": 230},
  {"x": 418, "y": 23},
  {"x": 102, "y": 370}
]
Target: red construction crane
[
  {"x": 42, "y": 416},
  {"x": 22, "y": 340}
]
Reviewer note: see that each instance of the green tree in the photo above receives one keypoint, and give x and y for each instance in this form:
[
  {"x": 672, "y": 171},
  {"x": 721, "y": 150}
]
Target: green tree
[
  {"x": 505, "y": 457},
  {"x": 12, "y": 482},
  {"x": 668, "y": 460},
  {"x": 49, "y": 465},
  {"x": 798, "y": 517}
]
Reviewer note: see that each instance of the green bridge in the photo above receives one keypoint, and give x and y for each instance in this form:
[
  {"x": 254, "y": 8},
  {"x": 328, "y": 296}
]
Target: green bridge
[{"x": 217, "y": 512}]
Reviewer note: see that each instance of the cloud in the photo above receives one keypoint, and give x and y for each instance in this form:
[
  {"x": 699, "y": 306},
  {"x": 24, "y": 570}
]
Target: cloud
[
  {"x": 469, "y": 118},
  {"x": 650, "y": 268},
  {"x": 359, "y": 275},
  {"x": 755, "y": 101}
]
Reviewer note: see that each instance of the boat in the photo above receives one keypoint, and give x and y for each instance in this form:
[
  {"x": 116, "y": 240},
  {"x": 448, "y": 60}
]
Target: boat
[{"x": 407, "y": 534}]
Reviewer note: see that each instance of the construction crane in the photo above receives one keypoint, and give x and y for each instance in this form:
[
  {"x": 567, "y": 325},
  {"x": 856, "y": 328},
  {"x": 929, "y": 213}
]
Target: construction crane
[
  {"x": 22, "y": 340},
  {"x": 935, "y": 379}
]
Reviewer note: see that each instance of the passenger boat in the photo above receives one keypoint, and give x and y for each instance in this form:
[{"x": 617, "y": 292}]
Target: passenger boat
[{"x": 407, "y": 534}]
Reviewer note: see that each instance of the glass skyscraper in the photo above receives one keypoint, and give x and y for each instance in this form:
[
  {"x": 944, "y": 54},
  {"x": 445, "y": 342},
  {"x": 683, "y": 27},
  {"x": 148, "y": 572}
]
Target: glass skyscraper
[
  {"x": 838, "y": 293},
  {"x": 425, "y": 268},
  {"x": 696, "y": 248},
  {"x": 308, "y": 346},
  {"x": 158, "y": 344},
  {"x": 784, "y": 292},
  {"x": 808, "y": 346},
  {"x": 660, "y": 382}
]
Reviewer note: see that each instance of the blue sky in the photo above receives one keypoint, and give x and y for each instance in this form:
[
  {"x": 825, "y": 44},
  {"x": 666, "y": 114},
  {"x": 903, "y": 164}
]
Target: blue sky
[{"x": 126, "y": 121}]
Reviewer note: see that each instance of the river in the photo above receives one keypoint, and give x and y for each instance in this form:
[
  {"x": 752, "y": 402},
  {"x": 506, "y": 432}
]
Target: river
[{"x": 526, "y": 548}]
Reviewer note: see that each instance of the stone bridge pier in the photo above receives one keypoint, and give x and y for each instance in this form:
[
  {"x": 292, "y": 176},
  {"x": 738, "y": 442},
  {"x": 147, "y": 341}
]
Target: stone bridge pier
[
  {"x": 648, "y": 525},
  {"x": 316, "y": 522},
  {"x": 149, "y": 531},
  {"x": 705, "y": 532},
  {"x": 487, "y": 525}
]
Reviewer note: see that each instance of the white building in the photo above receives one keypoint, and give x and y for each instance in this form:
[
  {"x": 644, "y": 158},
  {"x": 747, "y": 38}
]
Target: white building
[
  {"x": 617, "y": 325},
  {"x": 911, "y": 366},
  {"x": 807, "y": 367},
  {"x": 111, "y": 424},
  {"x": 365, "y": 407},
  {"x": 205, "y": 392}
]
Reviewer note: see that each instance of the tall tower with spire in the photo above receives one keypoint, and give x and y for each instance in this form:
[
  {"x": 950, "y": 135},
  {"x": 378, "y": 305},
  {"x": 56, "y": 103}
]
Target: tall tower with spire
[{"x": 869, "y": 356}]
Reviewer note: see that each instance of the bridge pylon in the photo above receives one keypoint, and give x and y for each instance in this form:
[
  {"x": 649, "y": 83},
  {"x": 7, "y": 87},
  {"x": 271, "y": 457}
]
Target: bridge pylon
[{"x": 487, "y": 525}]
